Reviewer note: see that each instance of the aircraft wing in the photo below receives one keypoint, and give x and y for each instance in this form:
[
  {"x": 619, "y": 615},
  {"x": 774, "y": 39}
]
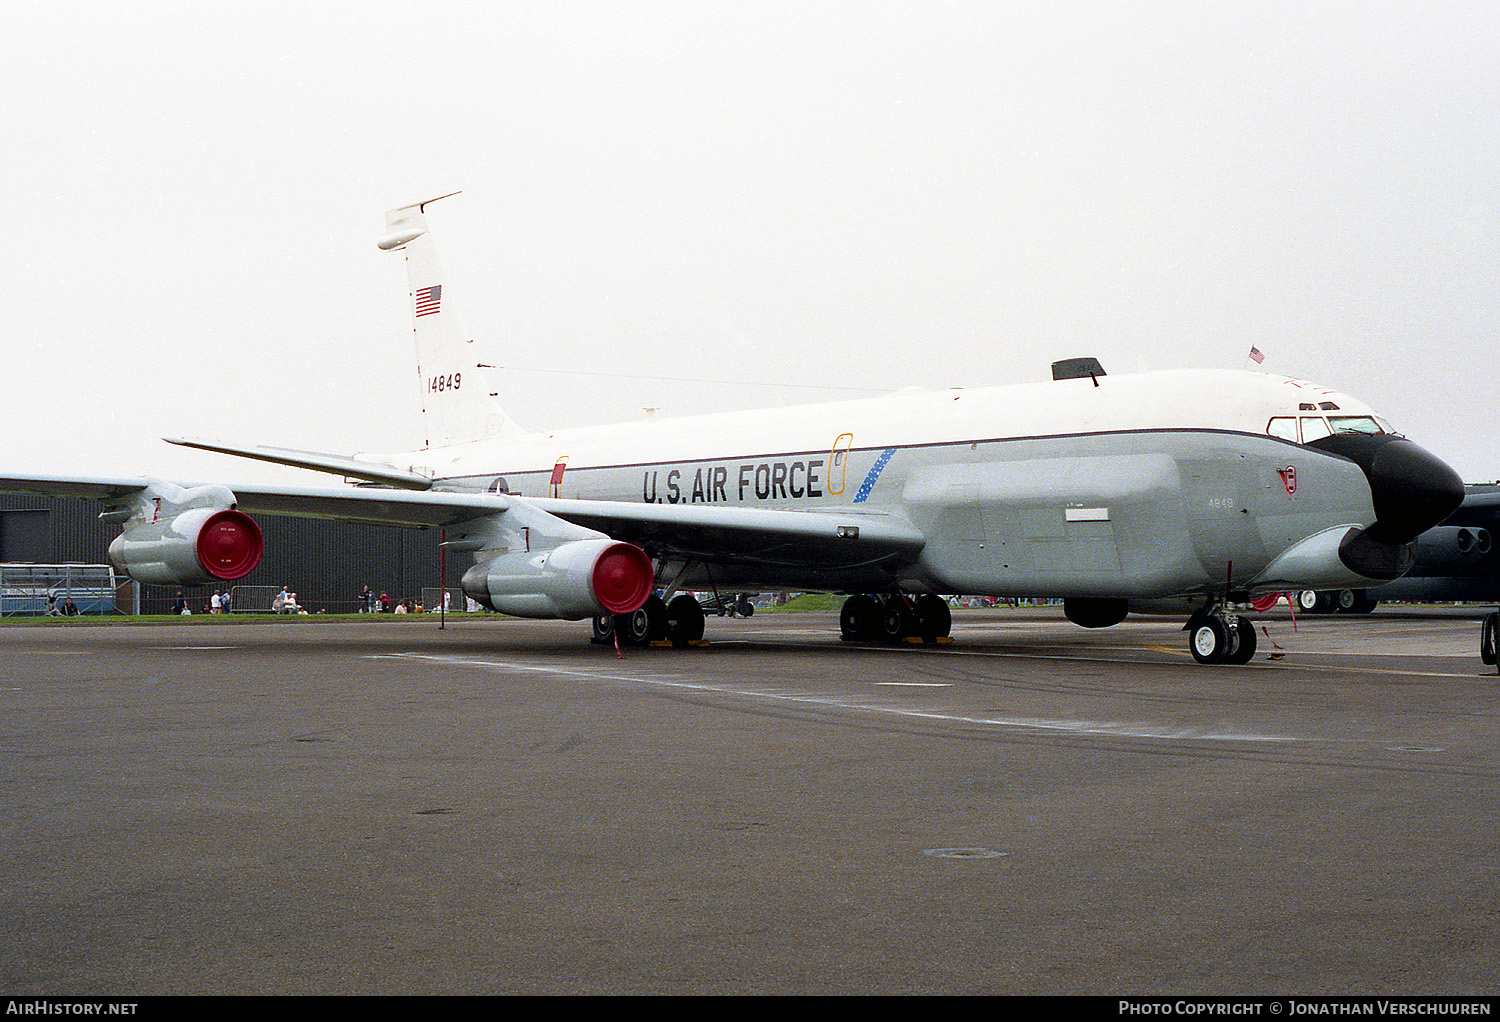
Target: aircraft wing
[
  {"x": 376, "y": 506},
  {"x": 843, "y": 537},
  {"x": 705, "y": 532},
  {"x": 710, "y": 533},
  {"x": 72, "y": 486},
  {"x": 354, "y": 468}
]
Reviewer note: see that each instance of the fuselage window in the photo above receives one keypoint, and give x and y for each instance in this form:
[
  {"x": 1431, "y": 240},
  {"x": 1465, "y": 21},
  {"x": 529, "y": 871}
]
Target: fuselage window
[
  {"x": 1313, "y": 428},
  {"x": 1283, "y": 428}
]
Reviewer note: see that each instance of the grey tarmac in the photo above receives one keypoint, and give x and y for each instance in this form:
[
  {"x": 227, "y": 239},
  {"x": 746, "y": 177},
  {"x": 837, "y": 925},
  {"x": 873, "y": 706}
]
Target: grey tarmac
[{"x": 382, "y": 807}]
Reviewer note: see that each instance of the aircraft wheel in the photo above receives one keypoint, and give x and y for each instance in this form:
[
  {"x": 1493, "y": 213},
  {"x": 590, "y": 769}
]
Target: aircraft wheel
[
  {"x": 1308, "y": 601},
  {"x": 645, "y": 624},
  {"x": 859, "y": 621},
  {"x": 1209, "y": 641},
  {"x": 604, "y": 629},
  {"x": 1244, "y": 647},
  {"x": 934, "y": 619},
  {"x": 1489, "y": 638},
  {"x": 1364, "y": 602},
  {"x": 896, "y": 622},
  {"x": 684, "y": 620},
  {"x": 745, "y": 608}
]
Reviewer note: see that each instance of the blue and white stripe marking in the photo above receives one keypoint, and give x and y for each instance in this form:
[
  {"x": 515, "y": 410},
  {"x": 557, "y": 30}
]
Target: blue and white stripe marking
[{"x": 869, "y": 483}]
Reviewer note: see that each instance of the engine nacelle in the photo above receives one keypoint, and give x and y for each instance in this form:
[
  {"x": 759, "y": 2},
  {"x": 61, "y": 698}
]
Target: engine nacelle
[
  {"x": 573, "y": 580},
  {"x": 1344, "y": 557},
  {"x": 1450, "y": 547},
  {"x": 184, "y": 537},
  {"x": 1093, "y": 612}
]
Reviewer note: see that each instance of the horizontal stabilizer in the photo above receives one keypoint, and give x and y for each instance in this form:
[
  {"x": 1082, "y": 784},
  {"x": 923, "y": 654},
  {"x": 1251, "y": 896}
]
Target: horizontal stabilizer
[{"x": 353, "y": 468}]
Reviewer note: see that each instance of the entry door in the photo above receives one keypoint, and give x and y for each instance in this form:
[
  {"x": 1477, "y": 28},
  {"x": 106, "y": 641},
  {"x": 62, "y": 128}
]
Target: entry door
[{"x": 838, "y": 463}]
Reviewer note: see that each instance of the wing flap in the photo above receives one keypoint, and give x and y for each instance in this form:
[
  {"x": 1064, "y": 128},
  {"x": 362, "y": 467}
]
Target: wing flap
[{"x": 717, "y": 534}]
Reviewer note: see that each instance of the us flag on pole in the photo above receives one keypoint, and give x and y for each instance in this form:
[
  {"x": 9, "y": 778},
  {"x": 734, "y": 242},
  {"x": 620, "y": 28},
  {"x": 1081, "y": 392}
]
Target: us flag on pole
[
  {"x": 1256, "y": 356},
  {"x": 429, "y": 299}
]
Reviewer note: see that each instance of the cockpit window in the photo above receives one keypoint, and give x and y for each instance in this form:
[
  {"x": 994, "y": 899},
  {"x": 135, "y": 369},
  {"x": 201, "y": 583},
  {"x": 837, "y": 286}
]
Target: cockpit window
[
  {"x": 1283, "y": 428},
  {"x": 1354, "y": 424},
  {"x": 1307, "y": 428},
  {"x": 1328, "y": 406},
  {"x": 1313, "y": 428}
]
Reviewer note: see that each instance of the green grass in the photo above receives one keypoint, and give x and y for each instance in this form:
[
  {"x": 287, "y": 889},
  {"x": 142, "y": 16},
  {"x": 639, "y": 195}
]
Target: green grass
[
  {"x": 205, "y": 620},
  {"x": 806, "y": 602}
]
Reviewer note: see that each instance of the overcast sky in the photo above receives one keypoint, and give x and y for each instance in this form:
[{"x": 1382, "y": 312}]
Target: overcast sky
[{"x": 704, "y": 206}]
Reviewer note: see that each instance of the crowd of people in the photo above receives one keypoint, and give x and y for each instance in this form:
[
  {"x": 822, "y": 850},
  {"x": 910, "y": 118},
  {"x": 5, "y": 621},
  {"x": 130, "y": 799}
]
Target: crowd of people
[
  {"x": 218, "y": 603},
  {"x": 285, "y": 601},
  {"x": 369, "y": 603}
]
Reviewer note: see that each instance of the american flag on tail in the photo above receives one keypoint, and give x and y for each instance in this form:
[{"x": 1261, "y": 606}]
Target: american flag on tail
[{"x": 429, "y": 300}]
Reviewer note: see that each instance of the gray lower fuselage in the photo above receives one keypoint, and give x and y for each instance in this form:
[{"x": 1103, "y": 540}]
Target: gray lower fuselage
[{"x": 1135, "y": 514}]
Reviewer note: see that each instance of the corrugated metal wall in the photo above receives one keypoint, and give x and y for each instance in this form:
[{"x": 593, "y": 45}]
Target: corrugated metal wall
[{"x": 326, "y": 563}]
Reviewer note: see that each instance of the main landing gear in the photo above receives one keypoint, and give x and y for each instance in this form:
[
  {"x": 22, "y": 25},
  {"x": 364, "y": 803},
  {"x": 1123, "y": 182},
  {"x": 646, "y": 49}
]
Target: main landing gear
[
  {"x": 1345, "y": 601},
  {"x": 679, "y": 622},
  {"x": 1217, "y": 635},
  {"x": 895, "y": 618}
]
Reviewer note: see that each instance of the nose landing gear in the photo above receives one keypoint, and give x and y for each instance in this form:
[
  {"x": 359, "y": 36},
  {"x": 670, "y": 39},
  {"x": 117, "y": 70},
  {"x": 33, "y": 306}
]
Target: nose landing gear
[{"x": 1217, "y": 635}]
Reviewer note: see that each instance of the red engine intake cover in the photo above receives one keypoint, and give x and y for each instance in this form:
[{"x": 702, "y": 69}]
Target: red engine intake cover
[
  {"x": 622, "y": 578},
  {"x": 230, "y": 545}
]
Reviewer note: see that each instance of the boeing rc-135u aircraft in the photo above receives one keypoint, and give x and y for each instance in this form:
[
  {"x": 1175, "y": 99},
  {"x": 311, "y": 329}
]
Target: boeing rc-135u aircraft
[{"x": 1200, "y": 487}]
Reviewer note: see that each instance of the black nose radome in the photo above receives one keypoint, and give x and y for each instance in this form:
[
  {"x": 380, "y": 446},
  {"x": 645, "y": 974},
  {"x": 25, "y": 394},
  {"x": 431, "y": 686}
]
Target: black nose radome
[{"x": 1412, "y": 490}]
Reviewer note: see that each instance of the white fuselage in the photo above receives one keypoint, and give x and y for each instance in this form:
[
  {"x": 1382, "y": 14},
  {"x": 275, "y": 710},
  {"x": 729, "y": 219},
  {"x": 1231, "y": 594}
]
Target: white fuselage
[
  {"x": 1131, "y": 486},
  {"x": 1187, "y": 400}
]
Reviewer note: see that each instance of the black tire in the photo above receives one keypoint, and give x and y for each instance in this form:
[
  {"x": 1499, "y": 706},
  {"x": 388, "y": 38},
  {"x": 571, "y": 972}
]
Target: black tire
[
  {"x": 1310, "y": 601},
  {"x": 1489, "y": 638},
  {"x": 604, "y": 629},
  {"x": 644, "y": 625},
  {"x": 897, "y": 622},
  {"x": 1244, "y": 648},
  {"x": 745, "y": 608},
  {"x": 1345, "y": 601},
  {"x": 1208, "y": 640},
  {"x": 859, "y": 621},
  {"x": 684, "y": 620},
  {"x": 934, "y": 619}
]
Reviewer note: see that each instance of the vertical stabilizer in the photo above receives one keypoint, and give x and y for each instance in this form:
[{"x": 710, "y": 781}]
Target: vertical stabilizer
[{"x": 457, "y": 405}]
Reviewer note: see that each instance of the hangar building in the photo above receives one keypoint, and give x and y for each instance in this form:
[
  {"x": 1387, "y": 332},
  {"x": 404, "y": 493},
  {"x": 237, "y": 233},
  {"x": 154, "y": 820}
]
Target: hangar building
[{"x": 324, "y": 562}]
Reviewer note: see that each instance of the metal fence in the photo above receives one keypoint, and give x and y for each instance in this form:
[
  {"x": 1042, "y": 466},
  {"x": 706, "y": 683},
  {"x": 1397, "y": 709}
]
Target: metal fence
[
  {"x": 37, "y": 590},
  {"x": 432, "y": 597},
  {"x": 252, "y": 599}
]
